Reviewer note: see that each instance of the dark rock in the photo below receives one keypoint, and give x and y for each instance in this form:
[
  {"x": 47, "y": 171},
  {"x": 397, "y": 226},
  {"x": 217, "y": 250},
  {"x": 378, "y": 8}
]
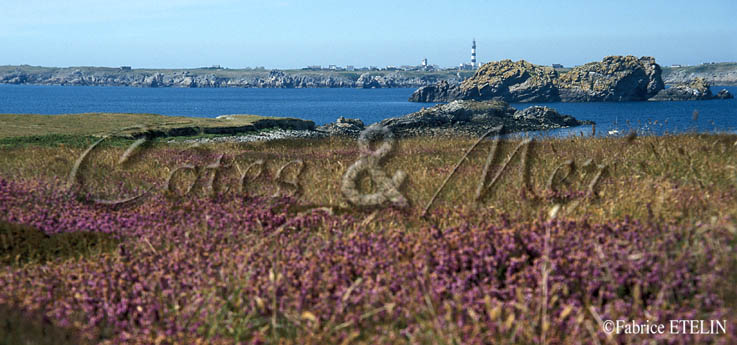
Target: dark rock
[
  {"x": 284, "y": 123},
  {"x": 546, "y": 117},
  {"x": 439, "y": 92},
  {"x": 724, "y": 94},
  {"x": 468, "y": 117}
]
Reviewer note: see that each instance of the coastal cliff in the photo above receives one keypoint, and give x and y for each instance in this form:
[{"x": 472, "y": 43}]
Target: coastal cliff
[{"x": 207, "y": 77}]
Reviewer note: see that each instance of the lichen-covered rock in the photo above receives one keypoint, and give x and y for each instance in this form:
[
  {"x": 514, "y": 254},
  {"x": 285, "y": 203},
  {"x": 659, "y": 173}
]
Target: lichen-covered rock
[
  {"x": 510, "y": 81},
  {"x": 615, "y": 78},
  {"x": 697, "y": 89}
]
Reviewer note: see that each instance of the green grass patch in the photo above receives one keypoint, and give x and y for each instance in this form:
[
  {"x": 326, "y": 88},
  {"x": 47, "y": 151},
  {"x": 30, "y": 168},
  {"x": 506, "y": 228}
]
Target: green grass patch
[
  {"x": 100, "y": 124},
  {"x": 20, "y": 244},
  {"x": 59, "y": 140}
]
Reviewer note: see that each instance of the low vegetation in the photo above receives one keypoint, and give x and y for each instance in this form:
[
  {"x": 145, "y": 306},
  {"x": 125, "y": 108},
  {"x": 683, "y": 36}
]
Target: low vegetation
[
  {"x": 539, "y": 262},
  {"x": 20, "y": 244},
  {"x": 22, "y": 126}
]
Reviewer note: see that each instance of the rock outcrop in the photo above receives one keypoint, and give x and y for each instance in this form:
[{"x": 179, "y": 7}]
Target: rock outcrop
[
  {"x": 344, "y": 127},
  {"x": 226, "y": 128},
  {"x": 695, "y": 90},
  {"x": 724, "y": 94},
  {"x": 505, "y": 80},
  {"x": 510, "y": 81},
  {"x": 476, "y": 117},
  {"x": 546, "y": 118},
  {"x": 439, "y": 92},
  {"x": 614, "y": 79}
]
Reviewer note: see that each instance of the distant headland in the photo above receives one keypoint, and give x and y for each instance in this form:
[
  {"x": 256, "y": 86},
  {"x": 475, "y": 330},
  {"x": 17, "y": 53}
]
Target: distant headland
[
  {"x": 218, "y": 77},
  {"x": 723, "y": 74}
]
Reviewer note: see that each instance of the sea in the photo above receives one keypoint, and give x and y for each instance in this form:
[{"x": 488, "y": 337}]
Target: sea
[{"x": 323, "y": 105}]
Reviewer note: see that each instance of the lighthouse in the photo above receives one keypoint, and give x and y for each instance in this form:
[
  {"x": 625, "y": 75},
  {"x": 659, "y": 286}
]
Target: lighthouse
[
  {"x": 473, "y": 54},
  {"x": 473, "y": 65}
]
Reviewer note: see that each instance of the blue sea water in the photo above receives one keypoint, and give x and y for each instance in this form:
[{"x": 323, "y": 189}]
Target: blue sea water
[
  {"x": 370, "y": 105},
  {"x": 321, "y": 105}
]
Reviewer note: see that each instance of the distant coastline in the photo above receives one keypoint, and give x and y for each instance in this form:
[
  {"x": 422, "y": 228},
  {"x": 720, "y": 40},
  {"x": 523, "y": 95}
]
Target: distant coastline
[
  {"x": 721, "y": 74},
  {"x": 717, "y": 74},
  {"x": 222, "y": 78}
]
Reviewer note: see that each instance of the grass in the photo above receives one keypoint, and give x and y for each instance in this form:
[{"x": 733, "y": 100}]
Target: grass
[
  {"x": 655, "y": 236},
  {"x": 61, "y": 140},
  {"x": 97, "y": 124},
  {"x": 662, "y": 170}
]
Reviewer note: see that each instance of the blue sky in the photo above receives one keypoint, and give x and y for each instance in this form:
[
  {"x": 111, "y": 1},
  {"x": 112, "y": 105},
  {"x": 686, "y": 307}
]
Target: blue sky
[{"x": 293, "y": 34}]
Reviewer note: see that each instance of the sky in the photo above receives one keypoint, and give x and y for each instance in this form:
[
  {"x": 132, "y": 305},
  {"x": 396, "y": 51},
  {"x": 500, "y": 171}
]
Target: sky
[{"x": 294, "y": 34}]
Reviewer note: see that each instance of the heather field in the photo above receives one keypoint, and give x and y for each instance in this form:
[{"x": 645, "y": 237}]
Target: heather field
[{"x": 223, "y": 246}]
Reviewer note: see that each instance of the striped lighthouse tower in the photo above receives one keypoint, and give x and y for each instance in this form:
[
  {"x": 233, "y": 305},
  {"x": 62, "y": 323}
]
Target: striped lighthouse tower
[{"x": 473, "y": 54}]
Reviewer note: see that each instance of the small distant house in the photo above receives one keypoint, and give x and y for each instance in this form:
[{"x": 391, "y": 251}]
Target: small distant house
[{"x": 557, "y": 65}]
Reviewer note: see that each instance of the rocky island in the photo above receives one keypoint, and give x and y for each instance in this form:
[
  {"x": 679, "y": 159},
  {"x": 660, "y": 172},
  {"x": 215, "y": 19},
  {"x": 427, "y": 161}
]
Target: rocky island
[
  {"x": 462, "y": 117},
  {"x": 614, "y": 79}
]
